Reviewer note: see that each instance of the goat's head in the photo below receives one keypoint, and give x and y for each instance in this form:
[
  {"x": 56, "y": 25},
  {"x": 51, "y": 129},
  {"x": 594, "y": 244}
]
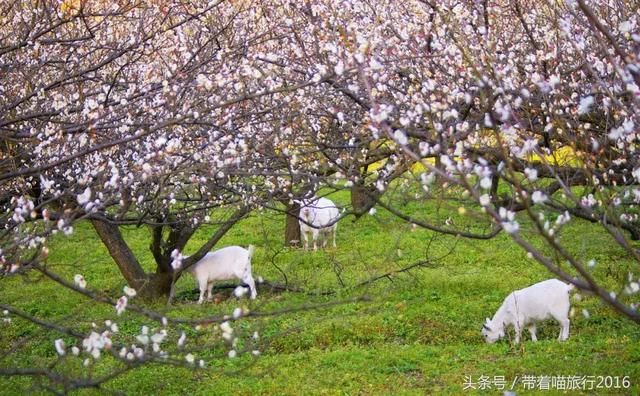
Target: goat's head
[{"x": 492, "y": 332}]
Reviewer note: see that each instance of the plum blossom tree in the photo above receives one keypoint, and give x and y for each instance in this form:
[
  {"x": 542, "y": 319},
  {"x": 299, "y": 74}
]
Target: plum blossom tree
[
  {"x": 513, "y": 108},
  {"x": 139, "y": 114},
  {"x": 132, "y": 114}
]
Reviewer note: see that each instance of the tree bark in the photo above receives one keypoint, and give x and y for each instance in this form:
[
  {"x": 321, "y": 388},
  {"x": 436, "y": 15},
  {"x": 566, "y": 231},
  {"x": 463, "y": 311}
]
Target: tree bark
[
  {"x": 362, "y": 199},
  {"x": 292, "y": 226},
  {"x": 495, "y": 183},
  {"x": 157, "y": 285},
  {"x": 179, "y": 235},
  {"x": 120, "y": 252}
]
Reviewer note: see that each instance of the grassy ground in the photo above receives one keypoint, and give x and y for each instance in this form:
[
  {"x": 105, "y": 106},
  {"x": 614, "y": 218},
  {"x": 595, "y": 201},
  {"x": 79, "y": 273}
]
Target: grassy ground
[{"x": 419, "y": 331}]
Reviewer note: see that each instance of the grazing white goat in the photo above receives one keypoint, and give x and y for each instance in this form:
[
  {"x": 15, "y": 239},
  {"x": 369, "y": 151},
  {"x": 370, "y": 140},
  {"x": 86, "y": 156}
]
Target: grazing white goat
[
  {"x": 319, "y": 217},
  {"x": 232, "y": 262},
  {"x": 544, "y": 300}
]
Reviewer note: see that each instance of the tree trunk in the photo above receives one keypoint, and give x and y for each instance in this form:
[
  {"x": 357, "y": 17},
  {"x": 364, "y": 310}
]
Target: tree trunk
[
  {"x": 362, "y": 199},
  {"x": 495, "y": 182},
  {"x": 149, "y": 286},
  {"x": 157, "y": 285},
  {"x": 120, "y": 252},
  {"x": 292, "y": 227},
  {"x": 179, "y": 235}
]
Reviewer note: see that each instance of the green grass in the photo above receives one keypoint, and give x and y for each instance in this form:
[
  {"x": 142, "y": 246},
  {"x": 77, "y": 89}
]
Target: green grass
[{"x": 418, "y": 333}]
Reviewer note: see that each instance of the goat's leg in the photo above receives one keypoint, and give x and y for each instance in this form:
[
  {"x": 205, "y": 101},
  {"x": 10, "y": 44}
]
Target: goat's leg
[
  {"x": 315, "y": 239},
  {"x": 532, "y": 331},
  {"x": 305, "y": 240},
  {"x": 209, "y": 288},
  {"x": 564, "y": 329},
  {"x": 248, "y": 279},
  {"x": 202, "y": 285},
  {"x": 335, "y": 228},
  {"x": 563, "y": 320}
]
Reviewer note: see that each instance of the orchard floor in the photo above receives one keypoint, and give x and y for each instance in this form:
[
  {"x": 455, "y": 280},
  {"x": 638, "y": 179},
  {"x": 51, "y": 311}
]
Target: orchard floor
[{"x": 413, "y": 332}]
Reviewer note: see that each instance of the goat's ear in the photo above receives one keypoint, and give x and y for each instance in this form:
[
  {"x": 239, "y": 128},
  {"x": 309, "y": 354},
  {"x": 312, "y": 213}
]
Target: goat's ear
[
  {"x": 487, "y": 320},
  {"x": 484, "y": 326}
]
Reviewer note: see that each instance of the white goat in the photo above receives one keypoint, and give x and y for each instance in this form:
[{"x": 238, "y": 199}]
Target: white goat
[
  {"x": 232, "y": 262},
  {"x": 544, "y": 300},
  {"x": 320, "y": 218}
]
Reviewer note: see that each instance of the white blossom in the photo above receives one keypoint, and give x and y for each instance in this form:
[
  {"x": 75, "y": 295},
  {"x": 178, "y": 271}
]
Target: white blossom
[
  {"x": 538, "y": 197},
  {"x": 60, "y": 346},
  {"x": 589, "y": 201},
  {"x": 632, "y": 288},
  {"x": 80, "y": 281},
  {"x": 131, "y": 292},
  {"x": 636, "y": 174},
  {"x": 240, "y": 291},
  {"x": 510, "y": 227},
  {"x": 177, "y": 258},
  {"x": 226, "y": 327},
  {"x": 204, "y": 81},
  {"x": 121, "y": 305},
  {"x": 625, "y": 26},
  {"x": 182, "y": 339},
  {"x": 85, "y": 196},
  {"x": 96, "y": 342},
  {"x": 585, "y": 104},
  {"x": 400, "y": 137},
  {"x": 158, "y": 337},
  {"x": 506, "y": 214},
  {"x": 487, "y": 120},
  {"x": 531, "y": 174}
]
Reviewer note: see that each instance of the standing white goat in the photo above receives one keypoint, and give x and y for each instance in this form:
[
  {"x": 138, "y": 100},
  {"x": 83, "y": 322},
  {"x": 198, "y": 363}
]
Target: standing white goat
[
  {"x": 320, "y": 218},
  {"x": 544, "y": 300},
  {"x": 232, "y": 262}
]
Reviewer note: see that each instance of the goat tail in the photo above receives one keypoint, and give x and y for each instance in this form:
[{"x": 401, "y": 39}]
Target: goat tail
[
  {"x": 251, "y": 249},
  {"x": 247, "y": 268},
  {"x": 570, "y": 287}
]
